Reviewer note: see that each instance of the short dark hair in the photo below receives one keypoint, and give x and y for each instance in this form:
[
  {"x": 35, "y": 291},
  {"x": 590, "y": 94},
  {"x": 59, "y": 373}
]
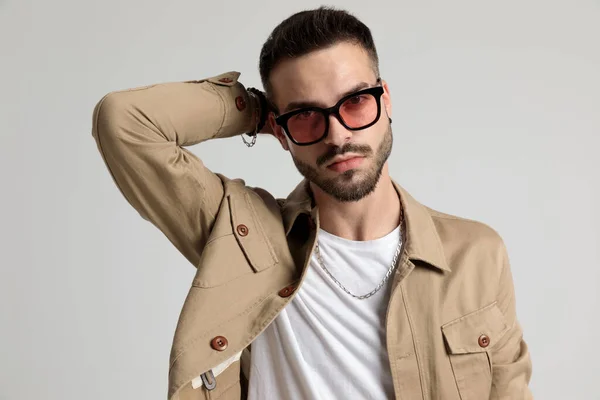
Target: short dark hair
[{"x": 311, "y": 30}]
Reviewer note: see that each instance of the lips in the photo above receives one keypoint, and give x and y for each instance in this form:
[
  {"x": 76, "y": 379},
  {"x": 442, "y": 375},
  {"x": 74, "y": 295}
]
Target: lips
[
  {"x": 341, "y": 158},
  {"x": 346, "y": 164}
]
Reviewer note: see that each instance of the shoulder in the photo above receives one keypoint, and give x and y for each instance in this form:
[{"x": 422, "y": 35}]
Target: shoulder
[
  {"x": 470, "y": 246},
  {"x": 454, "y": 228}
]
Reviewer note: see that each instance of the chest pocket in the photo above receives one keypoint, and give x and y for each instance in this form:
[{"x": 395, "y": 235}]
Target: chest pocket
[
  {"x": 239, "y": 244},
  {"x": 469, "y": 340}
]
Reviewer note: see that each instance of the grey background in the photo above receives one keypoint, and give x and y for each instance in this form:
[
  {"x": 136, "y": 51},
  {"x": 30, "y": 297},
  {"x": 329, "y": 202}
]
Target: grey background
[{"x": 496, "y": 118}]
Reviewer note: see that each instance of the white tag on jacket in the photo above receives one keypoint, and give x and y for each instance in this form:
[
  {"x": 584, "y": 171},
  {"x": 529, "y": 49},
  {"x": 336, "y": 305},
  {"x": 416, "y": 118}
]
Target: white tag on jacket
[{"x": 197, "y": 381}]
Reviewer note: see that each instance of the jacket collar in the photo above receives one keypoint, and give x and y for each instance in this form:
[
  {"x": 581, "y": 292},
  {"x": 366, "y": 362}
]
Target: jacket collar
[{"x": 422, "y": 240}]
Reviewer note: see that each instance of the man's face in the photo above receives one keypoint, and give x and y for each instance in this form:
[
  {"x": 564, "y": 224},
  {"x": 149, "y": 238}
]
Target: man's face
[{"x": 321, "y": 79}]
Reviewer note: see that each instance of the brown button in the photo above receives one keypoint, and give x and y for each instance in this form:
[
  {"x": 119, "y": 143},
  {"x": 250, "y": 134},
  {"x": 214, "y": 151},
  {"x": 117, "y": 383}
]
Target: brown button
[
  {"x": 240, "y": 103},
  {"x": 226, "y": 80},
  {"x": 287, "y": 291},
  {"x": 219, "y": 343},
  {"x": 484, "y": 341},
  {"x": 242, "y": 230}
]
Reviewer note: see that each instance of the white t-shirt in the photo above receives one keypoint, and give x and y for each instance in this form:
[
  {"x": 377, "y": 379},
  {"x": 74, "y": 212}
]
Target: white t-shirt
[{"x": 327, "y": 344}]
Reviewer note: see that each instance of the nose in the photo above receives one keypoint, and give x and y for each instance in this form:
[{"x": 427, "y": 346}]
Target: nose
[{"x": 338, "y": 135}]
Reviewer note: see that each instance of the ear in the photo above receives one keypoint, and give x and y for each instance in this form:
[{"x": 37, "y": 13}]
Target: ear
[
  {"x": 387, "y": 98},
  {"x": 278, "y": 132}
]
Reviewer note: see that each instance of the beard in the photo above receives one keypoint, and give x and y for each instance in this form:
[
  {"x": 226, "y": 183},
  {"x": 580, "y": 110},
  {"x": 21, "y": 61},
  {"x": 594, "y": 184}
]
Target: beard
[{"x": 345, "y": 187}]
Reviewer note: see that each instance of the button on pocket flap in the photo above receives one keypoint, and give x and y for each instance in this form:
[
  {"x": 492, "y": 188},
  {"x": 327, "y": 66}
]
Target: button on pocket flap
[
  {"x": 474, "y": 332},
  {"x": 249, "y": 231}
]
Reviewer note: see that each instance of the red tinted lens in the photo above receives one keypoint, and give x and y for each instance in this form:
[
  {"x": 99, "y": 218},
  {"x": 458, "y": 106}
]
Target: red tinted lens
[
  {"x": 307, "y": 126},
  {"x": 359, "y": 111}
]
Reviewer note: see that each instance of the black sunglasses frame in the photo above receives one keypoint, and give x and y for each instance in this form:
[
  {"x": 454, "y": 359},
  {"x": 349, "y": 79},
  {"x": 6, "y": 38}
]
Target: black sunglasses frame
[{"x": 375, "y": 91}]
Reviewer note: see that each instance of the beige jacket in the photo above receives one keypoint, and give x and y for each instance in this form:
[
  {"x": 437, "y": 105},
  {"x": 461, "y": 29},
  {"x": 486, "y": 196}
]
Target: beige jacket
[{"x": 452, "y": 330}]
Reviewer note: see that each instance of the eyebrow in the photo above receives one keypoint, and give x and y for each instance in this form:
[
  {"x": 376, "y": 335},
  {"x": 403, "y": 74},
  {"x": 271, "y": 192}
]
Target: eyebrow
[{"x": 294, "y": 105}]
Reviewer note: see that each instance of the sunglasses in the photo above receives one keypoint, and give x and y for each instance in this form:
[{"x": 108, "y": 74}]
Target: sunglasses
[{"x": 356, "y": 111}]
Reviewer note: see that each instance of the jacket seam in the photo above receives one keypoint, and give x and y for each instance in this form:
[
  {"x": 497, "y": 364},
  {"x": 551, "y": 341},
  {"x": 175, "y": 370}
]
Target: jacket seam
[
  {"x": 454, "y": 374},
  {"x": 468, "y": 315},
  {"x": 225, "y": 111},
  {"x": 415, "y": 343},
  {"x": 267, "y": 242},
  {"x": 217, "y": 238},
  {"x": 440, "y": 246},
  {"x": 436, "y": 214}
]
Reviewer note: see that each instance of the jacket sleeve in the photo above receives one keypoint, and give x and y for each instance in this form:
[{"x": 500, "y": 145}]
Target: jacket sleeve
[
  {"x": 141, "y": 134},
  {"x": 511, "y": 362}
]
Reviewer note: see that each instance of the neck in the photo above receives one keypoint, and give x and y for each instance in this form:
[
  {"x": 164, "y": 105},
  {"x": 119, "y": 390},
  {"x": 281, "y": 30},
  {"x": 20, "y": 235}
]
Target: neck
[{"x": 370, "y": 218}]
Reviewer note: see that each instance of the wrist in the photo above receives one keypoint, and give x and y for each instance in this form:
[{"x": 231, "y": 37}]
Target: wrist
[
  {"x": 261, "y": 107},
  {"x": 255, "y": 102}
]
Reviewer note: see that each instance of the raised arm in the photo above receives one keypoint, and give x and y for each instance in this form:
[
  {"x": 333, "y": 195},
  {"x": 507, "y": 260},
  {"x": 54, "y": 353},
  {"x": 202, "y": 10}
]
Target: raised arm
[{"x": 141, "y": 134}]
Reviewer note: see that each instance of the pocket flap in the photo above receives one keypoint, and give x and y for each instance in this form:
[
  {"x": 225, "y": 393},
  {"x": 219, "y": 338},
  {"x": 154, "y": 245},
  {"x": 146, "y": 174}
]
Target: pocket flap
[
  {"x": 463, "y": 334},
  {"x": 250, "y": 233}
]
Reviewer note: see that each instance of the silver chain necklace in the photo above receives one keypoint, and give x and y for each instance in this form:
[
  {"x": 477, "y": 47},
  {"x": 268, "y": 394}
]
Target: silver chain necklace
[{"x": 385, "y": 278}]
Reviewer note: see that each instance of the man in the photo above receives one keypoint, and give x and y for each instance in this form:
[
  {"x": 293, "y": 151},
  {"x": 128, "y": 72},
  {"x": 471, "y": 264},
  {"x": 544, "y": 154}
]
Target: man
[{"x": 347, "y": 289}]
